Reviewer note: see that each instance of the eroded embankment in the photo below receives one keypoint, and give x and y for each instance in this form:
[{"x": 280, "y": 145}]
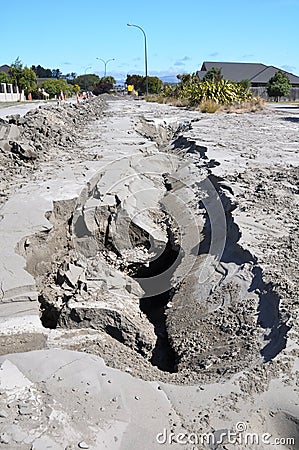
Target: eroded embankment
[
  {"x": 48, "y": 133},
  {"x": 149, "y": 255}
]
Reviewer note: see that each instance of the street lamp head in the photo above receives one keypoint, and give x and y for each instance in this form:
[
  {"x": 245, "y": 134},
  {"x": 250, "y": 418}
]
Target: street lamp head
[
  {"x": 105, "y": 63},
  {"x": 145, "y": 52}
]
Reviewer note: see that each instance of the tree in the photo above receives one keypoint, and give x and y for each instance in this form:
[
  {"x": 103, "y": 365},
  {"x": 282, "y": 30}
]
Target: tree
[
  {"x": 87, "y": 82},
  {"x": 184, "y": 77},
  {"x": 15, "y": 71},
  {"x": 28, "y": 80},
  {"x": 214, "y": 74},
  {"x": 245, "y": 84},
  {"x": 56, "y": 73},
  {"x": 154, "y": 85},
  {"x": 70, "y": 76},
  {"x": 4, "y": 78},
  {"x": 53, "y": 87},
  {"x": 188, "y": 78},
  {"x": 139, "y": 83},
  {"x": 24, "y": 78},
  {"x": 108, "y": 79},
  {"x": 41, "y": 72},
  {"x": 279, "y": 85},
  {"x": 104, "y": 86}
]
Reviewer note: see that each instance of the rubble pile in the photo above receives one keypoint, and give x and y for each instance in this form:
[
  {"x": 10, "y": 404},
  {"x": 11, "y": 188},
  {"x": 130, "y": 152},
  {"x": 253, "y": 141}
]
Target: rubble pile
[{"x": 40, "y": 136}]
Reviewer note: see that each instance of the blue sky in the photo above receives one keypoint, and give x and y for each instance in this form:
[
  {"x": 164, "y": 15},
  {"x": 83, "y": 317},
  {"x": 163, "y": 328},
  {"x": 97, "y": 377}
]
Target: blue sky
[{"x": 70, "y": 35}]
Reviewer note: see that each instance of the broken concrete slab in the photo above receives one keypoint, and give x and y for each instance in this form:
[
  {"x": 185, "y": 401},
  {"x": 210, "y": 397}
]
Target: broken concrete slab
[
  {"x": 12, "y": 378},
  {"x": 119, "y": 401},
  {"x": 9, "y": 132},
  {"x": 74, "y": 274},
  {"x": 23, "y": 150}
]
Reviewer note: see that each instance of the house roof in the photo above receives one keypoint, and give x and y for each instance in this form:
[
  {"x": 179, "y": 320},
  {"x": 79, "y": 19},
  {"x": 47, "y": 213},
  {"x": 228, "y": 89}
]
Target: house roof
[
  {"x": 4, "y": 68},
  {"x": 255, "y": 72},
  {"x": 269, "y": 72}
]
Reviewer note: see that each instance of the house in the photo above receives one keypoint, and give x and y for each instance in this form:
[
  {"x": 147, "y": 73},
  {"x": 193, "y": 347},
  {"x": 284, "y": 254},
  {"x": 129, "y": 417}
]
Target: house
[
  {"x": 5, "y": 68},
  {"x": 9, "y": 92},
  {"x": 257, "y": 74}
]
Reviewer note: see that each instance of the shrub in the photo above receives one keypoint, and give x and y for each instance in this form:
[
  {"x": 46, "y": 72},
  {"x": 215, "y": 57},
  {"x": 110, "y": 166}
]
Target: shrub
[
  {"x": 214, "y": 74},
  {"x": 170, "y": 91},
  {"x": 4, "y": 78},
  {"x": 245, "y": 83},
  {"x": 209, "y": 95},
  {"x": 253, "y": 105},
  {"x": 86, "y": 82},
  {"x": 139, "y": 83},
  {"x": 53, "y": 87},
  {"x": 76, "y": 87},
  {"x": 279, "y": 85},
  {"x": 103, "y": 88},
  {"x": 209, "y": 106},
  {"x": 224, "y": 92}
]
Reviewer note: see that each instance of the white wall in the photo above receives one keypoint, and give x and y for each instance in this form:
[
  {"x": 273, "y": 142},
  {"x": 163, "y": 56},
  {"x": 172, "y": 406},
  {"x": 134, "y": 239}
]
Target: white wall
[{"x": 7, "y": 94}]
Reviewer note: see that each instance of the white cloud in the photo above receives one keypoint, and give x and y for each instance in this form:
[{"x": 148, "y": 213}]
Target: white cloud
[
  {"x": 181, "y": 61},
  {"x": 289, "y": 68}
]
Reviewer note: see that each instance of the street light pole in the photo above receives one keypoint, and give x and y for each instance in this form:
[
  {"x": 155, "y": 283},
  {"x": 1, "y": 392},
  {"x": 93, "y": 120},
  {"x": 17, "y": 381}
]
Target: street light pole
[
  {"x": 89, "y": 67},
  {"x": 145, "y": 54},
  {"x": 105, "y": 63}
]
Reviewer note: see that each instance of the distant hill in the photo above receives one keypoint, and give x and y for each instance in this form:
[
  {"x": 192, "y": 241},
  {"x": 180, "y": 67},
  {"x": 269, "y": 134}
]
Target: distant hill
[{"x": 169, "y": 79}]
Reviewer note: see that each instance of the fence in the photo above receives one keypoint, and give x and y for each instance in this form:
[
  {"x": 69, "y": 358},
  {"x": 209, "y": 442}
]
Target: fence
[
  {"x": 262, "y": 92},
  {"x": 10, "y": 93}
]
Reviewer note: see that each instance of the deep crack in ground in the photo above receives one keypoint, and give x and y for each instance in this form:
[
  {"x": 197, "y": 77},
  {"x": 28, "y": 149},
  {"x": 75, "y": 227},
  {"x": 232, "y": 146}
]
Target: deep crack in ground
[{"x": 188, "y": 330}]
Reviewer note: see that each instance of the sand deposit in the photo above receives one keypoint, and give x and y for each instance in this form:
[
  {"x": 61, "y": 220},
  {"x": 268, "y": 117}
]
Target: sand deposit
[{"x": 148, "y": 278}]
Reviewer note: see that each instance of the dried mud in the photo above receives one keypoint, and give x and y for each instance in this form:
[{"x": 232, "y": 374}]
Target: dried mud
[{"x": 177, "y": 260}]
